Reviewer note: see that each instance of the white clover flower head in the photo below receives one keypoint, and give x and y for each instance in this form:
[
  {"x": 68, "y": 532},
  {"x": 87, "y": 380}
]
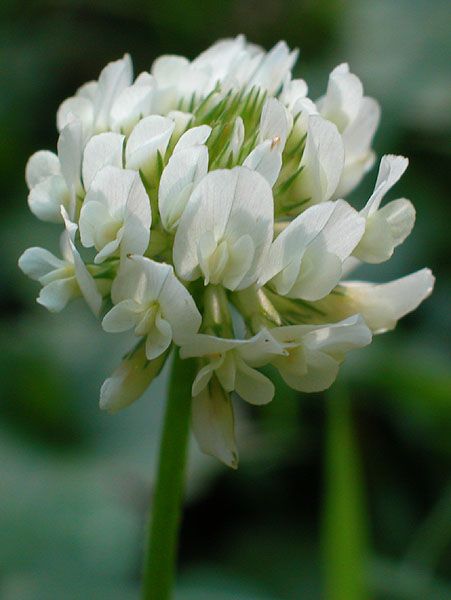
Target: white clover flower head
[{"x": 203, "y": 208}]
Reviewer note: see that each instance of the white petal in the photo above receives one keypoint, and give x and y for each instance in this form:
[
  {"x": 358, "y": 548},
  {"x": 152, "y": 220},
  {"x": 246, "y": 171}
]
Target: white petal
[
  {"x": 183, "y": 171},
  {"x": 344, "y": 94},
  {"x": 75, "y": 108},
  {"x": 390, "y": 171},
  {"x": 140, "y": 279},
  {"x": 382, "y": 305},
  {"x": 113, "y": 79},
  {"x": 137, "y": 219},
  {"x": 357, "y": 140},
  {"x": 203, "y": 345},
  {"x": 130, "y": 380},
  {"x": 46, "y": 198},
  {"x": 101, "y": 150},
  {"x": 40, "y": 165},
  {"x": 319, "y": 274},
  {"x": 204, "y": 375},
  {"x": 290, "y": 245},
  {"x": 38, "y": 262},
  {"x": 339, "y": 338},
  {"x": 122, "y": 317},
  {"x": 266, "y": 159},
  {"x": 322, "y": 371},
  {"x": 57, "y": 294},
  {"x": 179, "y": 309},
  {"x": 85, "y": 280},
  {"x": 213, "y": 424},
  {"x": 252, "y": 386},
  {"x": 168, "y": 69},
  {"x": 70, "y": 152},
  {"x": 229, "y": 204},
  {"x": 149, "y": 137},
  {"x": 274, "y": 68},
  {"x": 159, "y": 338},
  {"x": 323, "y": 160},
  {"x": 275, "y": 123},
  {"x": 132, "y": 104},
  {"x": 193, "y": 137}
]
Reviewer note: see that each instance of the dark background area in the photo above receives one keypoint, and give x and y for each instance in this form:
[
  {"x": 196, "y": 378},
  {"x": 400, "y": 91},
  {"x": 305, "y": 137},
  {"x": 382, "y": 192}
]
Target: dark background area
[{"x": 75, "y": 483}]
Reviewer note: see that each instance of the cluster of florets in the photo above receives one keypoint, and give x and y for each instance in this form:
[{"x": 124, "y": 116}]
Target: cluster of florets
[{"x": 201, "y": 206}]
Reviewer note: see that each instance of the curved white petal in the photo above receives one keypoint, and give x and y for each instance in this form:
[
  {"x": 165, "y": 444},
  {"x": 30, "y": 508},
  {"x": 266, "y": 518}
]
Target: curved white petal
[
  {"x": 132, "y": 104},
  {"x": 265, "y": 159},
  {"x": 70, "y": 152},
  {"x": 382, "y": 305},
  {"x": 113, "y": 79},
  {"x": 228, "y": 204},
  {"x": 122, "y": 316},
  {"x": 252, "y": 385},
  {"x": 76, "y": 108},
  {"x": 101, "y": 150},
  {"x": 46, "y": 198},
  {"x": 40, "y": 165},
  {"x": 344, "y": 94},
  {"x": 213, "y": 424},
  {"x": 55, "y": 295},
  {"x": 159, "y": 338},
  {"x": 183, "y": 171},
  {"x": 390, "y": 171},
  {"x": 275, "y": 123},
  {"x": 38, "y": 262},
  {"x": 322, "y": 161},
  {"x": 149, "y": 137},
  {"x": 130, "y": 380},
  {"x": 195, "y": 136}
]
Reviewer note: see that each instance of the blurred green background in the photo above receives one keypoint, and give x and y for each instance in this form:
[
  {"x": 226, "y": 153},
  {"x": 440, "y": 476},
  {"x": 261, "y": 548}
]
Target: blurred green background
[{"x": 320, "y": 494}]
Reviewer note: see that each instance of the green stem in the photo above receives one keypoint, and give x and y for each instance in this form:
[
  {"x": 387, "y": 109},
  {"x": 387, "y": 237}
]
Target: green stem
[
  {"x": 161, "y": 552},
  {"x": 345, "y": 521}
]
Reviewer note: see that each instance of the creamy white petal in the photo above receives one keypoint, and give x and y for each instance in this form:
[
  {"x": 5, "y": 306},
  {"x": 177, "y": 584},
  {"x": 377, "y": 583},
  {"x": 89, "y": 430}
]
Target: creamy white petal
[
  {"x": 101, "y": 150},
  {"x": 266, "y": 159},
  {"x": 40, "y": 165},
  {"x": 85, "y": 281},
  {"x": 122, "y": 317},
  {"x": 275, "y": 123},
  {"x": 46, "y": 198},
  {"x": 183, "y": 171},
  {"x": 130, "y": 380},
  {"x": 344, "y": 94},
  {"x": 274, "y": 67},
  {"x": 228, "y": 204},
  {"x": 390, "y": 171},
  {"x": 149, "y": 137},
  {"x": 195, "y": 136},
  {"x": 76, "y": 108},
  {"x": 141, "y": 279},
  {"x": 168, "y": 69},
  {"x": 159, "y": 338},
  {"x": 70, "y": 152},
  {"x": 213, "y": 424},
  {"x": 132, "y": 104},
  {"x": 288, "y": 248},
  {"x": 382, "y": 305},
  {"x": 113, "y": 79},
  {"x": 38, "y": 262},
  {"x": 322, "y": 161},
  {"x": 57, "y": 294},
  {"x": 252, "y": 385}
]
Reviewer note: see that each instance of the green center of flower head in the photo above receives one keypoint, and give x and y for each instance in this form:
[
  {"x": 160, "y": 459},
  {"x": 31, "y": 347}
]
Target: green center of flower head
[{"x": 211, "y": 192}]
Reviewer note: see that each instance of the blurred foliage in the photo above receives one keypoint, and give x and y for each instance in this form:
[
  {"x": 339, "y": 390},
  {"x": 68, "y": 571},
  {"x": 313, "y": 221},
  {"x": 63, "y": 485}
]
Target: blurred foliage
[{"x": 75, "y": 483}]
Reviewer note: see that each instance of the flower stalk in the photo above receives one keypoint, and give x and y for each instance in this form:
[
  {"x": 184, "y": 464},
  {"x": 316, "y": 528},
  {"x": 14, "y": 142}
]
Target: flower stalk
[{"x": 161, "y": 552}]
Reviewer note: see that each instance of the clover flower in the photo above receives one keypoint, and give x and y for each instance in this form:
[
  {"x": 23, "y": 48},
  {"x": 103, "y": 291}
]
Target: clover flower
[{"x": 203, "y": 208}]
